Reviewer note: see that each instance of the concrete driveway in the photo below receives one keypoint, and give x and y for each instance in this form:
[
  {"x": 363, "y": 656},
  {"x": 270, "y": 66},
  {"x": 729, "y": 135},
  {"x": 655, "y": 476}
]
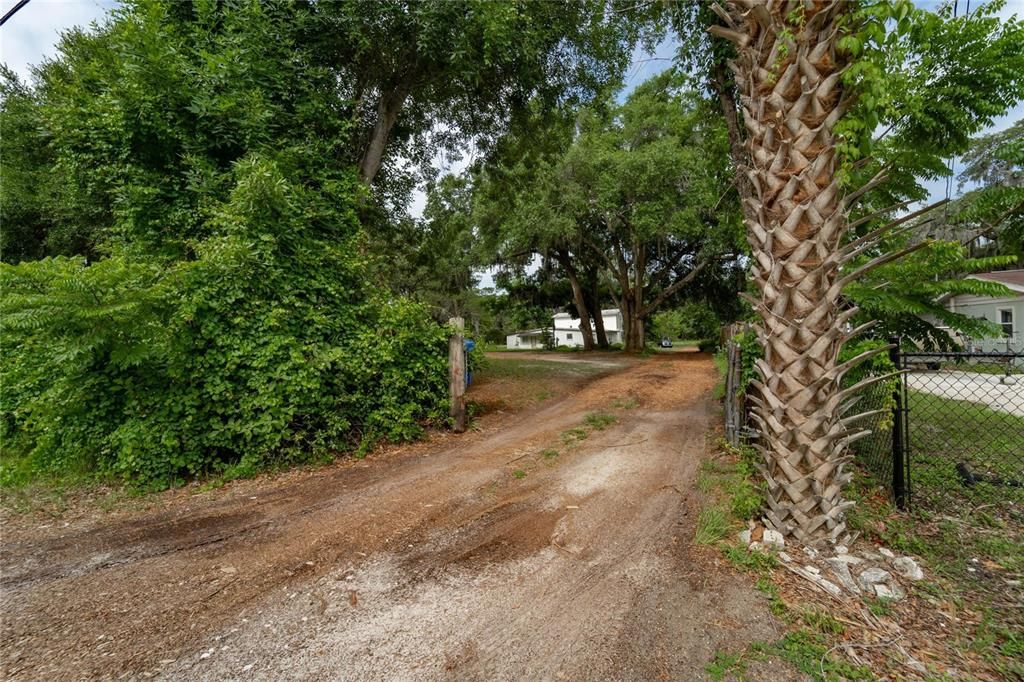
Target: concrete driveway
[{"x": 985, "y": 389}]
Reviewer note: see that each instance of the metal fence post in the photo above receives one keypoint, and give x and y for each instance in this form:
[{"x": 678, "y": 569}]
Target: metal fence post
[{"x": 899, "y": 485}]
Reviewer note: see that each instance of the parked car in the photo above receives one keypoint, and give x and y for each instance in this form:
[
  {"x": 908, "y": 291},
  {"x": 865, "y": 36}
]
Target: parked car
[{"x": 665, "y": 342}]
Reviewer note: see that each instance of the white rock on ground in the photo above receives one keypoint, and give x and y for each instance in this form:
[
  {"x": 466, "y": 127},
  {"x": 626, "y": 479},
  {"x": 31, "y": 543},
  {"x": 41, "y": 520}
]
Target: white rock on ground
[
  {"x": 871, "y": 576},
  {"x": 773, "y": 538},
  {"x": 785, "y": 557},
  {"x": 894, "y": 592},
  {"x": 908, "y": 568},
  {"x": 849, "y": 559},
  {"x": 842, "y": 571},
  {"x": 887, "y": 553},
  {"x": 745, "y": 537}
]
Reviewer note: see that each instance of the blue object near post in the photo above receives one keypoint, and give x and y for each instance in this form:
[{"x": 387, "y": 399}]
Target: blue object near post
[{"x": 468, "y": 345}]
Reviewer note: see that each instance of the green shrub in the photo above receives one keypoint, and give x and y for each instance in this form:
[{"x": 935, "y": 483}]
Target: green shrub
[{"x": 269, "y": 345}]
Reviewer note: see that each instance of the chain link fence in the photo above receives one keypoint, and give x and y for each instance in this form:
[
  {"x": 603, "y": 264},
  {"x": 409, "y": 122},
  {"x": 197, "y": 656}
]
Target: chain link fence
[
  {"x": 964, "y": 428},
  {"x": 948, "y": 435},
  {"x": 875, "y": 452}
]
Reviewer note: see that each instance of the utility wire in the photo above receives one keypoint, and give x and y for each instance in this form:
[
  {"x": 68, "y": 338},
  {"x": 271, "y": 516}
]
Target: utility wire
[{"x": 12, "y": 11}]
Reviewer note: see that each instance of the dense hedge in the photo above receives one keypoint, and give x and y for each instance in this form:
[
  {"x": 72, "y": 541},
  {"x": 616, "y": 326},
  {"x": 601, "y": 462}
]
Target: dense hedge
[
  {"x": 210, "y": 301},
  {"x": 270, "y": 344}
]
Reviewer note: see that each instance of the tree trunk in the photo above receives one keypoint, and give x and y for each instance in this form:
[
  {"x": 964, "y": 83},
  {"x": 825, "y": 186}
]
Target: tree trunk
[
  {"x": 594, "y": 303},
  {"x": 388, "y": 108},
  {"x": 579, "y": 300},
  {"x": 788, "y": 74},
  {"x": 634, "y": 328},
  {"x": 727, "y": 102}
]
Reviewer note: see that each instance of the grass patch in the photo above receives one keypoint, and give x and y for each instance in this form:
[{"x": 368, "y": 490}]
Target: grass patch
[
  {"x": 519, "y": 474},
  {"x": 625, "y": 403},
  {"x": 945, "y": 432},
  {"x": 712, "y": 526},
  {"x": 530, "y": 368},
  {"x": 760, "y": 563},
  {"x": 805, "y": 649},
  {"x": 722, "y": 365},
  {"x": 549, "y": 453},
  {"x": 725, "y": 664},
  {"x": 600, "y": 420},
  {"x": 575, "y": 434}
]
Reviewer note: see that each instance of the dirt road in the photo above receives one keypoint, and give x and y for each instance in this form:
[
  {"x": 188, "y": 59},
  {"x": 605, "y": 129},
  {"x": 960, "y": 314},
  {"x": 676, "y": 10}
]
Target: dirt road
[{"x": 482, "y": 556}]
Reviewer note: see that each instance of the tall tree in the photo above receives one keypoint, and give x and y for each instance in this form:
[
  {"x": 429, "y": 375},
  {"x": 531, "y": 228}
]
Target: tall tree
[
  {"x": 643, "y": 193},
  {"x": 789, "y": 75},
  {"x": 800, "y": 68},
  {"x": 464, "y": 69}
]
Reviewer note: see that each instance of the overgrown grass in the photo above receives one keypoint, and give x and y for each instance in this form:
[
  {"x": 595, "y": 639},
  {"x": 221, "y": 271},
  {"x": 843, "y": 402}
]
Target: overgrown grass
[{"x": 712, "y": 526}]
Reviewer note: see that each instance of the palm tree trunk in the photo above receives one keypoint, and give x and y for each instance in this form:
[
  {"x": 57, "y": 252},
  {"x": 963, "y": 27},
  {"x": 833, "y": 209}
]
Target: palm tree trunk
[{"x": 788, "y": 75}]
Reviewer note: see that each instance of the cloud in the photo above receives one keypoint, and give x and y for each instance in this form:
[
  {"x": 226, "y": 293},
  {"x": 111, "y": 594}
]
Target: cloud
[{"x": 31, "y": 35}]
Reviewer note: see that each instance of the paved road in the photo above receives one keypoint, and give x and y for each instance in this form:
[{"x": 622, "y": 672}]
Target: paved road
[{"x": 985, "y": 389}]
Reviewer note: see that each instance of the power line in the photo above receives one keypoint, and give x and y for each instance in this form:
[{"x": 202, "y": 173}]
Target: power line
[{"x": 14, "y": 10}]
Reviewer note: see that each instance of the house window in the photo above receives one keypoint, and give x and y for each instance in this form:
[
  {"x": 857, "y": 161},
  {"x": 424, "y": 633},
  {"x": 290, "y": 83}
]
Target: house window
[
  {"x": 569, "y": 336},
  {"x": 1006, "y": 321}
]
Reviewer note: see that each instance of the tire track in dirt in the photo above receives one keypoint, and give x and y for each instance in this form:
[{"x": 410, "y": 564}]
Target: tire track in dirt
[{"x": 432, "y": 562}]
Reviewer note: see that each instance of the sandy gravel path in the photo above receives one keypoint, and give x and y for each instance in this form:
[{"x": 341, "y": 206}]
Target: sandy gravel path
[{"x": 473, "y": 557}]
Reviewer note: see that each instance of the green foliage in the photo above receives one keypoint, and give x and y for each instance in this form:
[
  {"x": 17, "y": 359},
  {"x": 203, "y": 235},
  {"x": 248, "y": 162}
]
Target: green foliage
[
  {"x": 267, "y": 346},
  {"x": 750, "y": 351},
  {"x": 712, "y": 526},
  {"x": 904, "y": 295},
  {"x": 642, "y": 188},
  {"x": 923, "y": 83},
  {"x": 691, "y": 320},
  {"x": 741, "y": 557},
  {"x": 599, "y": 420},
  {"x": 930, "y": 80}
]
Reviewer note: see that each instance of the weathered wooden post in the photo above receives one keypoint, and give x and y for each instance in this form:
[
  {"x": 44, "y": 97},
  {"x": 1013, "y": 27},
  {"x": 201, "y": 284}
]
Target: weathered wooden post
[{"x": 457, "y": 374}]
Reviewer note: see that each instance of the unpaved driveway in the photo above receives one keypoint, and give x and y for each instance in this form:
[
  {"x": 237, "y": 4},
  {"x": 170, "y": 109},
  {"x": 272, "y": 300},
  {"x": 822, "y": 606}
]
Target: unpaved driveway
[{"x": 466, "y": 557}]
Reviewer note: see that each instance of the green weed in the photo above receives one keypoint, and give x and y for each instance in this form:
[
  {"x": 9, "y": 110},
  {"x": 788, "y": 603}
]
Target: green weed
[
  {"x": 574, "y": 434},
  {"x": 600, "y": 420},
  {"x": 519, "y": 474},
  {"x": 712, "y": 526},
  {"x": 726, "y": 665},
  {"x": 625, "y": 403},
  {"x": 759, "y": 563}
]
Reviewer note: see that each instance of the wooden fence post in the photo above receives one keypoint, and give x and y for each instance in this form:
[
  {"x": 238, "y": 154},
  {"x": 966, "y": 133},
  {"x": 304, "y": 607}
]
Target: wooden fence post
[{"x": 457, "y": 374}]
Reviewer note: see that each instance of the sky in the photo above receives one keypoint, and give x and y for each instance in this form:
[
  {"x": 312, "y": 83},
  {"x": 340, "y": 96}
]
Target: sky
[{"x": 31, "y": 36}]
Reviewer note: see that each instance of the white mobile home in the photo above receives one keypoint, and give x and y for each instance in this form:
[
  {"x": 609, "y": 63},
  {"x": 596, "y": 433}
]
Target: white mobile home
[
  {"x": 565, "y": 331},
  {"x": 567, "y": 328}
]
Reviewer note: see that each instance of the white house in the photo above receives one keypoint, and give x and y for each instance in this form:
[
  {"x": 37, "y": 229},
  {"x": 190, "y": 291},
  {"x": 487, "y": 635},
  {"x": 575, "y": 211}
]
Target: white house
[
  {"x": 566, "y": 331},
  {"x": 1007, "y": 312}
]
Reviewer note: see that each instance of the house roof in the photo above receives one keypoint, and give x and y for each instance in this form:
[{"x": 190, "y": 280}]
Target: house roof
[{"x": 1014, "y": 279}]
